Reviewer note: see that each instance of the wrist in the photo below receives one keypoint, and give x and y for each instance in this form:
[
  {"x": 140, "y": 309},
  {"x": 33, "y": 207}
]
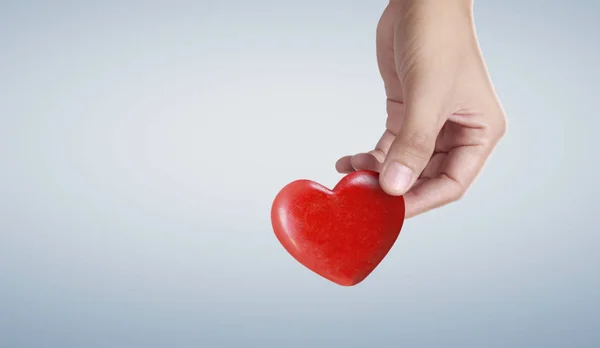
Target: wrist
[{"x": 468, "y": 4}]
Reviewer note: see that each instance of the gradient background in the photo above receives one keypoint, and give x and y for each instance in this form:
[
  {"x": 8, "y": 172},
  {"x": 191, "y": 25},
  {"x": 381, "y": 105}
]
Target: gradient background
[{"x": 142, "y": 143}]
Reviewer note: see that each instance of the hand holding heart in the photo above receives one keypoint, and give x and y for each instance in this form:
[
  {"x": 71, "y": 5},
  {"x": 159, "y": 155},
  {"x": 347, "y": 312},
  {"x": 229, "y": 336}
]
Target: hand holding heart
[
  {"x": 444, "y": 119},
  {"x": 443, "y": 115}
]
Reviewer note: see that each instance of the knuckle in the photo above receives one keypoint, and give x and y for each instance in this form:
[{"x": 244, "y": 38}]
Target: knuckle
[
  {"x": 456, "y": 190},
  {"x": 495, "y": 130},
  {"x": 500, "y": 127},
  {"x": 378, "y": 154},
  {"x": 458, "y": 194}
]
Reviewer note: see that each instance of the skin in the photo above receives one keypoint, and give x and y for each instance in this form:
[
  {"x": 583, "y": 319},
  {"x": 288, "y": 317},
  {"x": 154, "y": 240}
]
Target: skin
[{"x": 443, "y": 115}]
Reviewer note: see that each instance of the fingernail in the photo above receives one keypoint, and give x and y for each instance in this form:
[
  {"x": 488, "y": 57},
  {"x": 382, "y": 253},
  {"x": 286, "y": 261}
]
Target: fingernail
[{"x": 397, "y": 177}]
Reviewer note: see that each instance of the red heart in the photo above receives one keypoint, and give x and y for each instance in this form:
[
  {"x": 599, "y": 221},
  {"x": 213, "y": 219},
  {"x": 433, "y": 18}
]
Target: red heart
[{"x": 343, "y": 234}]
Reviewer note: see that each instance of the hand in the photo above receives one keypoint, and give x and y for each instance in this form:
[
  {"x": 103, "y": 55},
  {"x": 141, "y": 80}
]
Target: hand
[{"x": 443, "y": 115}]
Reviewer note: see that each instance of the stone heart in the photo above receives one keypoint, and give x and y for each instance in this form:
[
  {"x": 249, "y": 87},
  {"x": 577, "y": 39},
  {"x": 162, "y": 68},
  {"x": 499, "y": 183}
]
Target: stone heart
[{"x": 340, "y": 234}]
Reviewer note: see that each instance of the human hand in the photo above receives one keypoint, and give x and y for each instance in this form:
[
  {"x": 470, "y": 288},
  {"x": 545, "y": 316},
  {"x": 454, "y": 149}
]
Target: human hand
[{"x": 444, "y": 118}]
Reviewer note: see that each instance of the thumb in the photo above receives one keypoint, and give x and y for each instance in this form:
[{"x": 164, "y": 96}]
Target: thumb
[{"x": 414, "y": 145}]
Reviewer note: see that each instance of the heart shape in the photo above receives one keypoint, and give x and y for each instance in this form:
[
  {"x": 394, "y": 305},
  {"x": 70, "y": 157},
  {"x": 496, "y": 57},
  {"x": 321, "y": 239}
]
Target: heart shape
[{"x": 341, "y": 234}]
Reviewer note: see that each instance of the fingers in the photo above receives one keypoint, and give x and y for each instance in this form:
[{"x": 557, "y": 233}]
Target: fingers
[
  {"x": 430, "y": 194},
  {"x": 383, "y": 145},
  {"x": 428, "y": 87},
  {"x": 344, "y": 165},
  {"x": 411, "y": 150},
  {"x": 371, "y": 160},
  {"x": 366, "y": 161},
  {"x": 455, "y": 174},
  {"x": 361, "y": 161}
]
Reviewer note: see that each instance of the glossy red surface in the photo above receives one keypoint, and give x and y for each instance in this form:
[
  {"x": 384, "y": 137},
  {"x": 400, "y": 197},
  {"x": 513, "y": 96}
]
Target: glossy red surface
[{"x": 341, "y": 234}]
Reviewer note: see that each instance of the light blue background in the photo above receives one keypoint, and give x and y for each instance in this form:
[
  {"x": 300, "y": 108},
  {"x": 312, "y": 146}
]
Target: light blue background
[{"x": 142, "y": 143}]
